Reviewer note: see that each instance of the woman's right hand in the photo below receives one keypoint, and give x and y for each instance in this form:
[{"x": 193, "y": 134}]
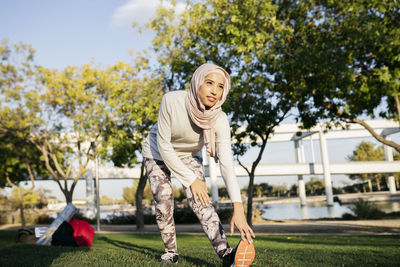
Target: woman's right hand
[{"x": 200, "y": 192}]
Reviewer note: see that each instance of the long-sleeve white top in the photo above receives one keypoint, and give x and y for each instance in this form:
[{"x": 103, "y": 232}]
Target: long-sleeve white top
[{"x": 175, "y": 136}]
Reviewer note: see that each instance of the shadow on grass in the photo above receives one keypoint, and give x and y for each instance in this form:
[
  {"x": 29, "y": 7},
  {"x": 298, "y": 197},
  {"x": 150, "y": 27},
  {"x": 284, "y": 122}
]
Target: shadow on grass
[
  {"x": 155, "y": 253},
  {"x": 351, "y": 241},
  {"x": 19, "y": 254}
]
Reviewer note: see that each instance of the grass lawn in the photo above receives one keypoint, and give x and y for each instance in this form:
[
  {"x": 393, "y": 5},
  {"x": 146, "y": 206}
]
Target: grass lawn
[{"x": 195, "y": 250}]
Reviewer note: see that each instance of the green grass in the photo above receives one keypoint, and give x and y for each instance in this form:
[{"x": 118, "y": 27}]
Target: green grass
[{"x": 195, "y": 250}]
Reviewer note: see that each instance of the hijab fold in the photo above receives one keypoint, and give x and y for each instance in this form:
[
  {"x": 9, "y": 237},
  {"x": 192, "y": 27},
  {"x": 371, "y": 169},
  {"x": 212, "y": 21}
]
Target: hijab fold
[{"x": 202, "y": 117}]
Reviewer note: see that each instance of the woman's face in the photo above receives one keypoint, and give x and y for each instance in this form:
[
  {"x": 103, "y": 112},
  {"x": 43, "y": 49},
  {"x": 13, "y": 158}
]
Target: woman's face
[{"x": 212, "y": 89}]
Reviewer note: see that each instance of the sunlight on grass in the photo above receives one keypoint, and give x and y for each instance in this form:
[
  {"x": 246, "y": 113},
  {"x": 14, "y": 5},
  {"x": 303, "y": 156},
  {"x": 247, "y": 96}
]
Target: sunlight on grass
[{"x": 195, "y": 250}]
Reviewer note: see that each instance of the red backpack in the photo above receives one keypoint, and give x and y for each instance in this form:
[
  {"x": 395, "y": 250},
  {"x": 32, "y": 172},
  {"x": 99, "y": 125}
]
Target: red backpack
[{"x": 83, "y": 232}]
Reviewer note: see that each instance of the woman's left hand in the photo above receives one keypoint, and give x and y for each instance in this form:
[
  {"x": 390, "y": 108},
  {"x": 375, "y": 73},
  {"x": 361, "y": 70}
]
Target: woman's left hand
[{"x": 239, "y": 220}]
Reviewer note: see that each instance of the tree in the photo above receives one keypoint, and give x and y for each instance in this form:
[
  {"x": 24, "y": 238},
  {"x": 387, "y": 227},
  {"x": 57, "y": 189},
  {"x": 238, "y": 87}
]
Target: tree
[
  {"x": 366, "y": 151},
  {"x": 293, "y": 190},
  {"x": 351, "y": 50},
  {"x": 315, "y": 186},
  {"x": 55, "y": 112},
  {"x": 179, "y": 194},
  {"x": 19, "y": 161},
  {"x": 128, "y": 193},
  {"x": 239, "y": 36},
  {"x": 76, "y": 99},
  {"x": 70, "y": 114},
  {"x": 105, "y": 200},
  {"x": 30, "y": 198},
  {"x": 279, "y": 190},
  {"x": 134, "y": 106}
]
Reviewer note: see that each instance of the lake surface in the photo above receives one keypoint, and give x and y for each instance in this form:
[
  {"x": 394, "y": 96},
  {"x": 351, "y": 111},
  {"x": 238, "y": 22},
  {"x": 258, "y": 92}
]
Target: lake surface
[
  {"x": 290, "y": 211},
  {"x": 315, "y": 210}
]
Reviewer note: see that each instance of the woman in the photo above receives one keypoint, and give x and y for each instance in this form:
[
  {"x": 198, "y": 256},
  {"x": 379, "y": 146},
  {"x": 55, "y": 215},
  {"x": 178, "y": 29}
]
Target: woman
[{"x": 186, "y": 122}]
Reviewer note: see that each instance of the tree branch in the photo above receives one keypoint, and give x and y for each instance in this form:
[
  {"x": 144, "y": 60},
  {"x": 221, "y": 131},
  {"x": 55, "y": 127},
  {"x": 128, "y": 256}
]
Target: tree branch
[
  {"x": 9, "y": 180},
  {"x": 376, "y": 135},
  {"x": 262, "y": 148},
  {"x": 54, "y": 159},
  {"x": 396, "y": 99},
  {"x": 47, "y": 163},
  {"x": 244, "y": 167},
  {"x": 31, "y": 176}
]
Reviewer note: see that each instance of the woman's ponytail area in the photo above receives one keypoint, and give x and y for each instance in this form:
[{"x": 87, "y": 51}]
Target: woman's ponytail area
[
  {"x": 239, "y": 220},
  {"x": 200, "y": 192}
]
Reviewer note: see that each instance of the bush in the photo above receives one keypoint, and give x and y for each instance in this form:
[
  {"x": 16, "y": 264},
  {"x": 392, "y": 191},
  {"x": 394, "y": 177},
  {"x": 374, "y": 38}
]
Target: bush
[
  {"x": 225, "y": 215},
  {"x": 3, "y": 219},
  {"x": 348, "y": 216},
  {"x": 44, "y": 219},
  {"x": 363, "y": 209},
  {"x": 181, "y": 216},
  {"x": 129, "y": 219}
]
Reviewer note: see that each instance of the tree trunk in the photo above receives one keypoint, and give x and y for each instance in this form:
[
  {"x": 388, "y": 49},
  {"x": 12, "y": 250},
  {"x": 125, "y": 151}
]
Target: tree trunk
[
  {"x": 21, "y": 209},
  {"x": 378, "y": 185},
  {"x": 250, "y": 190},
  {"x": 139, "y": 198},
  {"x": 68, "y": 196},
  {"x": 370, "y": 185}
]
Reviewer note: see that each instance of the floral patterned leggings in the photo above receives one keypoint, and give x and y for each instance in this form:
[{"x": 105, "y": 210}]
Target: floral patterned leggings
[{"x": 160, "y": 184}]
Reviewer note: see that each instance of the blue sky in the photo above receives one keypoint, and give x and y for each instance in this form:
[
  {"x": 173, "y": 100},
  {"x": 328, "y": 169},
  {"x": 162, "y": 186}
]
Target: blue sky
[{"x": 77, "y": 32}]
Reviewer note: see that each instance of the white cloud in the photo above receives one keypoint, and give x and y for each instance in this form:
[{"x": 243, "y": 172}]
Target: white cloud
[{"x": 139, "y": 11}]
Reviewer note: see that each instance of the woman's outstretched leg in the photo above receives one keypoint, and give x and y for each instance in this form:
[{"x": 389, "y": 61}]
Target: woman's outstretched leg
[
  {"x": 161, "y": 188},
  {"x": 207, "y": 216}
]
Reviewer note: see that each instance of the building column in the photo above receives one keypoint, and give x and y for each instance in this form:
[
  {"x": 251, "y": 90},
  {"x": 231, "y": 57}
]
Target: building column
[
  {"x": 327, "y": 172},
  {"x": 390, "y": 178},
  {"x": 301, "y": 185}
]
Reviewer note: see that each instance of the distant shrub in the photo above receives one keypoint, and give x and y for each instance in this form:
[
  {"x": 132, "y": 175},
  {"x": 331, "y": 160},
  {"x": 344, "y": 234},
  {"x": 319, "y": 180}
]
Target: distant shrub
[
  {"x": 44, "y": 219},
  {"x": 181, "y": 216},
  {"x": 225, "y": 215},
  {"x": 348, "y": 216},
  {"x": 3, "y": 219},
  {"x": 184, "y": 215},
  {"x": 363, "y": 209},
  {"x": 129, "y": 219}
]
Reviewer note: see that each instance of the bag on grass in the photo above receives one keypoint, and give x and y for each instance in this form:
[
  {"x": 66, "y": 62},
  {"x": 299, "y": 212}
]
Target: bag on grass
[
  {"x": 83, "y": 232},
  {"x": 65, "y": 215},
  {"x": 63, "y": 236}
]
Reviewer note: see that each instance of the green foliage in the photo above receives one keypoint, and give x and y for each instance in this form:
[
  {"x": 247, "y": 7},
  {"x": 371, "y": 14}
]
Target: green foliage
[
  {"x": 222, "y": 192},
  {"x": 63, "y": 113},
  {"x": 315, "y": 186},
  {"x": 19, "y": 159},
  {"x": 366, "y": 151},
  {"x": 365, "y": 210},
  {"x": 342, "y": 61},
  {"x": 179, "y": 194},
  {"x": 129, "y": 192},
  {"x": 134, "y": 101},
  {"x": 129, "y": 219},
  {"x": 267, "y": 190},
  {"x": 30, "y": 198}
]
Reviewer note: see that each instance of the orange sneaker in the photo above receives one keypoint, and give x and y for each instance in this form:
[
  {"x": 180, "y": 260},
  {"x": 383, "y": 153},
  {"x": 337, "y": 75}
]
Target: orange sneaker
[{"x": 241, "y": 256}]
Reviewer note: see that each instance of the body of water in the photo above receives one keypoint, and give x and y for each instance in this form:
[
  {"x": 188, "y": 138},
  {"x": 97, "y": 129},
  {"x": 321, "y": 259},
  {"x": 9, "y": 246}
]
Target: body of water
[{"x": 315, "y": 210}]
